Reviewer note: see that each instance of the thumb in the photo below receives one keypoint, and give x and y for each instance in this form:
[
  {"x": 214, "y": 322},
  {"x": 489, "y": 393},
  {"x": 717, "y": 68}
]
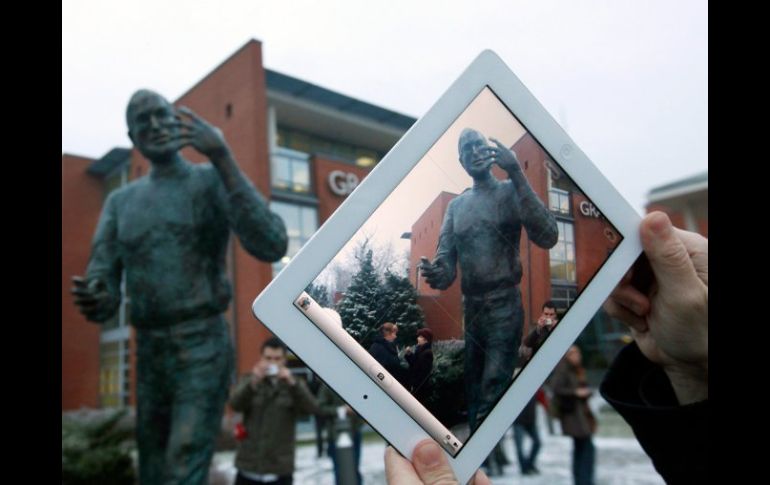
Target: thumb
[
  {"x": 666, "y": 252},
  {"x": 431, "y": 464}
]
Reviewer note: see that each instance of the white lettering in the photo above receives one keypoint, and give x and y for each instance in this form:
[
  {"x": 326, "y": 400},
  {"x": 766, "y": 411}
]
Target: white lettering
[
  {"x": 588, "y": 210},
  {"x": 342, "y": 183}
]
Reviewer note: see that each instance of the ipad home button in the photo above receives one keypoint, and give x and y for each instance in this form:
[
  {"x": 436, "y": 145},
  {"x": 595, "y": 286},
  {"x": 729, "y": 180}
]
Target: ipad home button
[{"x": 379, "y": 375}]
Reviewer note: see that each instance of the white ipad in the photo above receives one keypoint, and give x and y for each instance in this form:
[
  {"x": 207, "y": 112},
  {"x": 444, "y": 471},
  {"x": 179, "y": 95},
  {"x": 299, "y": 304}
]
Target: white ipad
[{"x": 483, "y": 211}]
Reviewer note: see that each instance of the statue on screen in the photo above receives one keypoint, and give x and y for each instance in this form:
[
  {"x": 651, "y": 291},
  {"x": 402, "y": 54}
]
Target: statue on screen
[
  {"x": 481, "y": 232},
  {"x": 165, "y": 236}
]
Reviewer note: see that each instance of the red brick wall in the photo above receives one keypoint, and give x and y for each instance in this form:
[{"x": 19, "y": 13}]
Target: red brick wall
[
  {"x": 703, "y": 227},
  {"x": 594, "y": 238},
  {"x": 82, "y": 197},
  {"x": 424, "y": 241},
  {"x": 444, "y": 313}
]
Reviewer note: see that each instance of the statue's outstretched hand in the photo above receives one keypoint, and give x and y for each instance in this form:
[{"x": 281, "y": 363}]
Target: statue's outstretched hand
[
  {"x": 196, "y": 132},
  {"x": 90, "y": 297}
]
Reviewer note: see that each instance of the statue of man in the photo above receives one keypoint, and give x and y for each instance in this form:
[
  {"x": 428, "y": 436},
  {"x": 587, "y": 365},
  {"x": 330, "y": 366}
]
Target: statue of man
[
  {"x": 481, "y": 231},
  {"x": 168, "y": 231}
]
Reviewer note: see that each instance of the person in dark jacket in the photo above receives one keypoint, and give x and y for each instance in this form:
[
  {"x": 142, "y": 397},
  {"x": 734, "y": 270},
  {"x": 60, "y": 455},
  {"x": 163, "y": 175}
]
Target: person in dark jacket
[
  {"x": 571, "y": 391},
  {"x": 526, "y": 423},
  {"x": 385, "y": 352},
  {"x": 271, "y": 400},
  {"x": 420, "y": 365},
  {"x": 542, "y": 329}
]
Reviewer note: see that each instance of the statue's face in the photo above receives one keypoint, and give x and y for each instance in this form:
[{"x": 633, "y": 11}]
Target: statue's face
[
  {"x": 153, "y": 127},
  {"x": 474, "y": 154}
]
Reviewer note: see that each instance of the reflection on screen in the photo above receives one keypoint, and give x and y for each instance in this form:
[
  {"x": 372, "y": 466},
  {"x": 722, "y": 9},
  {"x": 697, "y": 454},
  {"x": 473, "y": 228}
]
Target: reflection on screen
[{"x": 459, "y": 277}]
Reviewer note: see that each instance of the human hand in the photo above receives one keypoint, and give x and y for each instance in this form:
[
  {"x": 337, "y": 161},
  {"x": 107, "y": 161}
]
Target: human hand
[
  {"x": 583, "y": 392},
  {"x": 525, "y": 352},
  {"x": 429, "y": 466},
  {"x": 669, "y": 320},
  {"x": 285, "y": 374},
  {"x": 258, "y": 372}
]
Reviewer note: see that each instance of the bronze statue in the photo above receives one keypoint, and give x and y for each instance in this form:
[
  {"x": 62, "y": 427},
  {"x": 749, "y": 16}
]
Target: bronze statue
[
  {"x": 481, "y": 231},
  {"x": 168, "y": 231}
]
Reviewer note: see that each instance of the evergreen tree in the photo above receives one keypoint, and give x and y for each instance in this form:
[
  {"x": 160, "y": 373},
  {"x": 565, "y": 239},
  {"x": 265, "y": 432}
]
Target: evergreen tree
[
  {"x": 399, "y": 305},
  {"x": 360, "y": 306},
  {"x": 320, "y": 293}
]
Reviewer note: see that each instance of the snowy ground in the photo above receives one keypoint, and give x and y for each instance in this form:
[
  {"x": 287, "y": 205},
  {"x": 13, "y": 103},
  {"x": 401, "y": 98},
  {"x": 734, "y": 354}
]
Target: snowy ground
[{"x": 620, "y": 460}]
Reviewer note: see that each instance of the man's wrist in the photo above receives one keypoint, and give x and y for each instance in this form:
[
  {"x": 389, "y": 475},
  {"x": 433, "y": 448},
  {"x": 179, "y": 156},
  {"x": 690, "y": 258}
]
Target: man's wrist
[
  {"x": 516, "y": 174},
  {"x": 219, "y": 155}
]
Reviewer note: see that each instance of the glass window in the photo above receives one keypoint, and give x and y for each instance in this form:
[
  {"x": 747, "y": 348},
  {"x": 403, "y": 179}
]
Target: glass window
[
  {"x": 558, "y": 201},
  {"x": 114, "y": 368},
  {"x": 562, "y": 255},
  {"x": 119, "y": 319},
  {"x": 559, "y": 188},
  {"x": 290, "y": 170},
  {"x": 307, "y": 143},
  {"x": 563, "y": 296},
  {"x": 301, "y": 222}
]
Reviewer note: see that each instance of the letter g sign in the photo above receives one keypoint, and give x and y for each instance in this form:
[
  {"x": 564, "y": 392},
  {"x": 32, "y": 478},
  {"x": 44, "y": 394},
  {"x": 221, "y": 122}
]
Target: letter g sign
[{"x": 342, "y": 183}]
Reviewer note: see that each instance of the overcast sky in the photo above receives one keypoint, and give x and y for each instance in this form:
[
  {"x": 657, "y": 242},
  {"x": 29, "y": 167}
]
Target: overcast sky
[{"x": 627, "y": 79}]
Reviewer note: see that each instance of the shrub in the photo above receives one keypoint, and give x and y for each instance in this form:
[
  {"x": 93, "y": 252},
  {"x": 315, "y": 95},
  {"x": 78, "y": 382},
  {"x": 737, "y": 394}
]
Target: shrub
[
  {"x": 97, "y": 450},
  {"x": 447, "y": 399}
]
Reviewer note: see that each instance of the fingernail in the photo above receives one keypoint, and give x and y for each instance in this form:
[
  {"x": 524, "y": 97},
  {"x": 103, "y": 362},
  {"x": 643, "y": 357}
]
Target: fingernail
[
  {"x": 659, "y": 223},
  {"x": 429, "y": 454}
]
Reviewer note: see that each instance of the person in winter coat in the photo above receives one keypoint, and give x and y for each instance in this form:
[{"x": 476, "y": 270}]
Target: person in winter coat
[
  {"x": 271, "y": 399},
  {"x": 420, "y": 365},
  {"x": 571, "y": 394},
  {"x": 385, "y": 352}
]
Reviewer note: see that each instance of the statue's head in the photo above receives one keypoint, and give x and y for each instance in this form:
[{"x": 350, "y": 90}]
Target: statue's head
[
  {"x": 472, "y": 147},
  {"x": 152, "y": 125}
]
